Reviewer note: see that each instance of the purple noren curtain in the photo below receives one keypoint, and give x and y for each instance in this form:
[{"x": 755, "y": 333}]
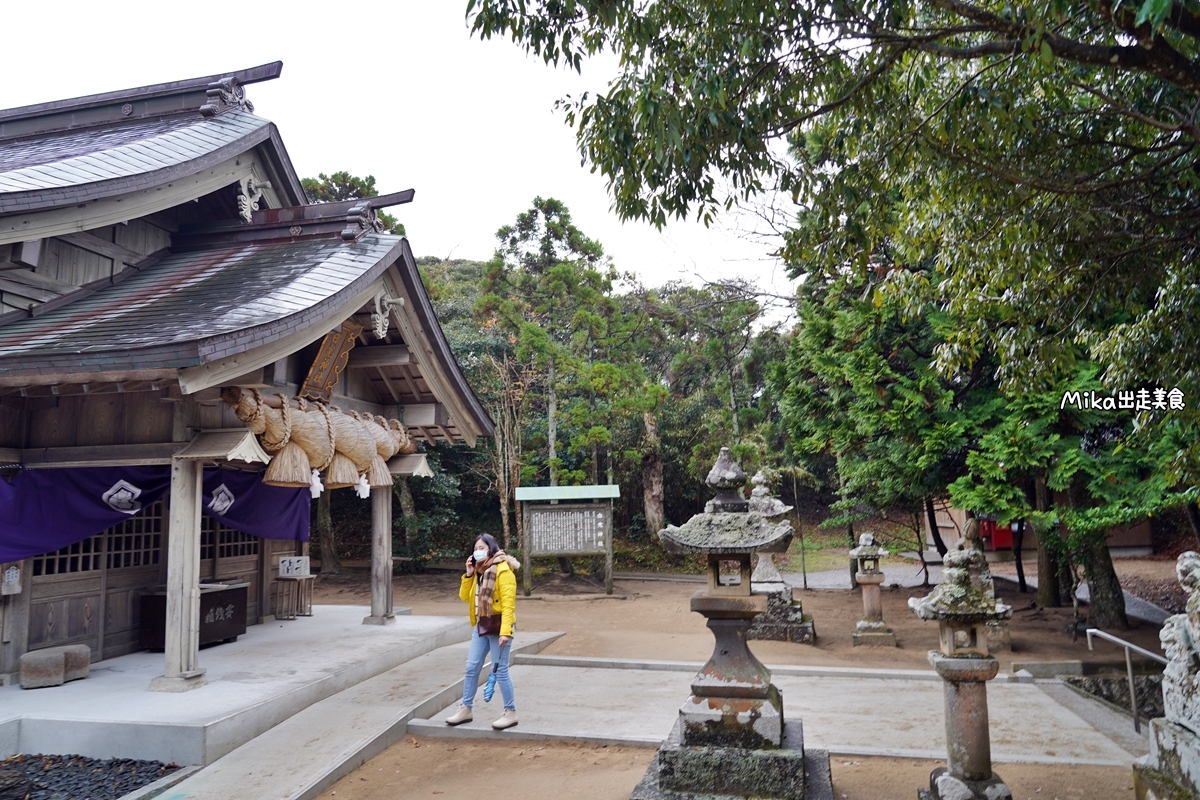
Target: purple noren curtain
[{"x": 47, "y": 509}]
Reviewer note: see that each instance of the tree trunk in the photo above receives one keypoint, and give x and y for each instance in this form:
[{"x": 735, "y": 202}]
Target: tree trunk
[
  {"x": 1047, "y": 590},
  {"x": 1106, "y": 607},
  {"x": 502, "y": 480},
  {"x": 652, "y": 477},
  {"x": 1193, "y": 515},
  {"x": 552, "y": 424},
  {"x": 737, "y": 433},
  {"x": 408, "y": 509},
  {"x": 1106, "y": 603},
  {"x": 1018, "y": 541},
  {"x": 931, "y": 517},
  {"x": 329, "y": 560}
]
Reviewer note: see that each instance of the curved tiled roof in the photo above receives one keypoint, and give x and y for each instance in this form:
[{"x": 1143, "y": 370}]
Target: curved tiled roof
[
  {"x": 191, "y": 307},
  {"x": 39, "y": 171}
]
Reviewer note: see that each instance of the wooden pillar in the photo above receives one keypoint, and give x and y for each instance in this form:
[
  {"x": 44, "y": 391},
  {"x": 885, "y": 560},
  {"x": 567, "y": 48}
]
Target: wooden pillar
[
  {"x": 182, "y": 642},
  {"x": 608, "y": 547},
  {"x": 381, "y": 557}
]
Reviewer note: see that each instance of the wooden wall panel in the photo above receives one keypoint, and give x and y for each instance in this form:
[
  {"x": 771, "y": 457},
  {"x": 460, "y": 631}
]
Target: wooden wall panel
[
  {"x": 147, "y": 418},
  {"x": 141, "y": 237},
  {"x": 70, "y": 264},
  {"x": 68, "y": 620},
  {"x": 12, "y": 426},
  {"x": 83, "y": 616},
  {"x": 54, "y": 425},
  {"x": 101, "y": 420},
  {"x": 68, "y": 585},
  {"x": 208, "y": 416},
  {"x": 87, "y": 420}
]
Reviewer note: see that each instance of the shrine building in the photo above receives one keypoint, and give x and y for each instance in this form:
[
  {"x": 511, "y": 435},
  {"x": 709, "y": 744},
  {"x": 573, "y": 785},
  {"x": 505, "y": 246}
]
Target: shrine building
[{"x": 190, "y": 351}]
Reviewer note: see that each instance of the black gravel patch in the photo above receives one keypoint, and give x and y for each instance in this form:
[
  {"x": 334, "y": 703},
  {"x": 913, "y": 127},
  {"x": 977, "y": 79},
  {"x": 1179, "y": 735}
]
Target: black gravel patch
[{"x": 80, "y": 778}]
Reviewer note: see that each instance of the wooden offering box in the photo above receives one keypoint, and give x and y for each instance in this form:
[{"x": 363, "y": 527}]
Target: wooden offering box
[{"x": 222, "y": 614}]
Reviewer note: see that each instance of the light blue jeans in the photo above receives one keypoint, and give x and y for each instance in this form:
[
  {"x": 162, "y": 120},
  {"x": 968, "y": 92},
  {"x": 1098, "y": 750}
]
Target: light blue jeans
[{"x": 480, "y": 647}]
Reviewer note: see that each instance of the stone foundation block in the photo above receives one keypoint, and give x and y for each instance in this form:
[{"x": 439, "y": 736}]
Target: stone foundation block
[
  {"x": 784, "y": 621},
  {"x": 740, "y": 722},
  {"x": 885, "y": 638},
  {"x": 716, "y": 773},
  {"x": 944, "y": 786},
  {"x": 54, "y": 666}
]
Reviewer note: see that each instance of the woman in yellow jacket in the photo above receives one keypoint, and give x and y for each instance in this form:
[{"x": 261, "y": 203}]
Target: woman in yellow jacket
[{"x": 490, "y": 588}]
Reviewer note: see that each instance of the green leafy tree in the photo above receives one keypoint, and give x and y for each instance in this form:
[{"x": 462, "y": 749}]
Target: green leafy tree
[
  {"x": 1042, "y": 154},
  {"x": 856, "y": 385},
  {"x": 539, "y": 290},
  {"x": 1103, "y": 474}
]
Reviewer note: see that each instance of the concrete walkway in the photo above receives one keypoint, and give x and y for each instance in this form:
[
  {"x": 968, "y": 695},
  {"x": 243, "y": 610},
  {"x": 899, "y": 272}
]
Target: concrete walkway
[
  {"x": 302, "y": 756},
  {"x": 845, "y": 711},
  {"x": 272, "y": 672},
  {"x": 850, "y": 712}
]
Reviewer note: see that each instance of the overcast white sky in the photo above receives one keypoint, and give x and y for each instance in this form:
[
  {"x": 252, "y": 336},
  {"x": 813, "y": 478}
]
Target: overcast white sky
[{"x": 398, "y": 90}]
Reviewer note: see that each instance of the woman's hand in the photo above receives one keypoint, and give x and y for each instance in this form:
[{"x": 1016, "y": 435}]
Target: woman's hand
[
  {"x": 470, "y": 566},
  {"x": 505, "y": 640}
]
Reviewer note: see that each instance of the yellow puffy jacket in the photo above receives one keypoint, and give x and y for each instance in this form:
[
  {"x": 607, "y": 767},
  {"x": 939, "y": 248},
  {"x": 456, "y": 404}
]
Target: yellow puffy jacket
[{"x": 505, "y": 601}]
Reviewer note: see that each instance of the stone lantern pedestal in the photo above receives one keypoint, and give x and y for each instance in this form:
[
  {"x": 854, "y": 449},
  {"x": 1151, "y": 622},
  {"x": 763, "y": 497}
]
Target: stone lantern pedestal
[
  {"x": 871, "y": 629},
  {"x": 730, "y": 739},
  {"x": 963, "y": 607}
]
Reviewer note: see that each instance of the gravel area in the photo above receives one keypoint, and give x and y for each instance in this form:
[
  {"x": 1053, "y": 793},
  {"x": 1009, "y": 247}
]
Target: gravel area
[{"x": 79, "y": 778}]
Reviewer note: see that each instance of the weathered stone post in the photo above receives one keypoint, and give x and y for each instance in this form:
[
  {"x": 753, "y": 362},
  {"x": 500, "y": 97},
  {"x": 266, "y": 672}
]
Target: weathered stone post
[
  {"x": 1172, "y": 769},
  {"x": 962, "y": 606},
  {"x": 730, "y": 739},
  {"x": 871, "y": 629}
]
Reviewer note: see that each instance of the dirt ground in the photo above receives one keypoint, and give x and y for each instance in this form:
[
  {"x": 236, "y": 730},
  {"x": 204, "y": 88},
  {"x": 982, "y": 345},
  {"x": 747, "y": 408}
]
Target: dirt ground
[
  {"x": 663, "y": 627},
  {"x": 651, "y": 619},
  {"x": 456, "y": 768}
]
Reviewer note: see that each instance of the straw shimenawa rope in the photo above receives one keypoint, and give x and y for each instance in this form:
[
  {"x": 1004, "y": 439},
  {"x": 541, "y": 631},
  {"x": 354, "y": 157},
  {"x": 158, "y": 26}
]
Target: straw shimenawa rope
[{"x": 304, "y": 436}]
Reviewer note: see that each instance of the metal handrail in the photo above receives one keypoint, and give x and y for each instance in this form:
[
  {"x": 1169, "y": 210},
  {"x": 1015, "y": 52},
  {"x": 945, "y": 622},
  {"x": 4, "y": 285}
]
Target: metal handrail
[{"x": 1128, "y": 666}]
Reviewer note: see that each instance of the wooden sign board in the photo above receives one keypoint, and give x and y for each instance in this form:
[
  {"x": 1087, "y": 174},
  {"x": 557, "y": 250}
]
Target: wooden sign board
[
  {"x": 330, "y": 361},
  {"x": 568, "y": 530}
]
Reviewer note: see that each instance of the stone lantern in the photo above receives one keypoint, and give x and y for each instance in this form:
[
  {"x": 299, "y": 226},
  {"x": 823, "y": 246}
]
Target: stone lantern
[
  {"x": 963, "y": 606},
  {"x": 784, "y": 620},
  {"x": 871, "y": 629},
  {"x": 730, "y": 739}
]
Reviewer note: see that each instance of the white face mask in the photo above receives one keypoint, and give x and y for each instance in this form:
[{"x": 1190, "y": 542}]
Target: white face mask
[{"x": 480, "y": 556}]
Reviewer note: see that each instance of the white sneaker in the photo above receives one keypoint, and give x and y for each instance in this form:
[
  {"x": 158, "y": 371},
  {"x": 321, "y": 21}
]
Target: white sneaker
[
  {"x": 507, "y": 720},
  {"x": 464, "y": 714}
]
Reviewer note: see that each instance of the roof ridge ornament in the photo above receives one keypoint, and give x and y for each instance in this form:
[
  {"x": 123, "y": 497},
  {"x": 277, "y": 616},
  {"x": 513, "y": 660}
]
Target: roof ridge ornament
[
  {"x": 361, "y": 221},
  {"x": 227, "y": 94}
]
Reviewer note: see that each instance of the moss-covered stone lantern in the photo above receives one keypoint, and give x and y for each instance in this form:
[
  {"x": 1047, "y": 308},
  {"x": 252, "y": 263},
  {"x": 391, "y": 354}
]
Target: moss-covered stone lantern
[
  {"x": 963, "y": 604},
  {"x": 730, "y": 739}
]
